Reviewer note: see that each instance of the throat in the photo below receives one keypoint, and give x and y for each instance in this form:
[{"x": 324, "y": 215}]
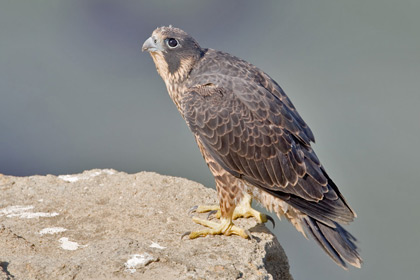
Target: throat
[
  {"x": 172, "y": 71},
  {"x": 175, "y": 79}
]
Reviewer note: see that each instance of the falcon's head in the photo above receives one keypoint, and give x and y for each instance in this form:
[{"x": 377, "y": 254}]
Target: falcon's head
[{"x": 173, "y": 51}]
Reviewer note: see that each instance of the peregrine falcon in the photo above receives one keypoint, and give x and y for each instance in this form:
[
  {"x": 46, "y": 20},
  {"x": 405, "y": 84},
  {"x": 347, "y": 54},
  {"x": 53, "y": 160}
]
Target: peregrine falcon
[{"x": 254, "y": 142}]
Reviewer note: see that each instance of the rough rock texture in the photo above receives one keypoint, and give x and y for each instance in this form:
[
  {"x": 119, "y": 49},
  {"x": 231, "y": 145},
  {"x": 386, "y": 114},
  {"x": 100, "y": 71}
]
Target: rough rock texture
[{"x": 104, "y": 224}]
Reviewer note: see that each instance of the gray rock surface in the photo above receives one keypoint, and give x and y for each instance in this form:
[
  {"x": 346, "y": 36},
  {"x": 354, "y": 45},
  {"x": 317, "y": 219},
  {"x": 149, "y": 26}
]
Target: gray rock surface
[{"x": 104, "y": 224}]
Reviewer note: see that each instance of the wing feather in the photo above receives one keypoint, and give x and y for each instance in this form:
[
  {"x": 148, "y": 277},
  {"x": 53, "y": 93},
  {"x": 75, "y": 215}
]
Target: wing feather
[{"x": 267, "y": 145}]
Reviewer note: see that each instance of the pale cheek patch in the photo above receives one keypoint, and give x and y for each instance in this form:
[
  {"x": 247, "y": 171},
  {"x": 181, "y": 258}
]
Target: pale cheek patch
[
  {"x": 182, "y": 73},
  {"x": 161, "y": 65}
]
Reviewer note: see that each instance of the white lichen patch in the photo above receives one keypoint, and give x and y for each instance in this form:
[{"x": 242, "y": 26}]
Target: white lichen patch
[
  {"x": 24, "y": 213},
  {"x": 137, "y": 261},
  {"x": 52, "y": 230},
  {"x": 15, "y": 209},
  {"x": 69, "y": 178},
  {"x": 85, "y": 175},
  {"x": 156, "y": 245},
  {"x": 66, "y": 244},
  {"x": 32, "y": 215}
]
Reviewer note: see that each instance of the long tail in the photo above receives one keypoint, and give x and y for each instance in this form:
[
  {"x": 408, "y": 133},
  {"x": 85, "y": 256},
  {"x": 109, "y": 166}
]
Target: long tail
[{"x": 338, "y": 243}]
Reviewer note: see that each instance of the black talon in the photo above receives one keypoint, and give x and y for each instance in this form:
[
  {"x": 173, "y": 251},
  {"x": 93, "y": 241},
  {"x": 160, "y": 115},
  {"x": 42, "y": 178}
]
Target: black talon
[
  {"x": 249, "y": 234},
  {"x": 192, "y": 210},
  {"x": 185, "y": 233},
  {"x": 271, "y": 220},
  {"x": 212, "y": 212}
]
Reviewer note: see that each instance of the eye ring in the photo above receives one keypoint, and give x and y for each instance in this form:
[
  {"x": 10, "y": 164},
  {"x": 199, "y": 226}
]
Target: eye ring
[{"x": 172, "y": 42}]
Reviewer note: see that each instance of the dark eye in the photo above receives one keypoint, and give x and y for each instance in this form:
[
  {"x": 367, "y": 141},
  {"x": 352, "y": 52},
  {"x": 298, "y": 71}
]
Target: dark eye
[{"x": 172, "y": 43}]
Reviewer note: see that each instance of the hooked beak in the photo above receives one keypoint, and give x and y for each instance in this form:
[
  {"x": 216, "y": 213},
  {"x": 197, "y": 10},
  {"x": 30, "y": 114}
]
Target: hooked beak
[{"x": 150, "y": 46}]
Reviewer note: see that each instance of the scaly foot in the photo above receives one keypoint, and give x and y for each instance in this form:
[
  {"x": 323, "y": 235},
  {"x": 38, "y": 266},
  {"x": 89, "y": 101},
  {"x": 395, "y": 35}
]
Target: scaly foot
[
  {"x": 242, "y": 210},
  {"x": 225, "y": 227}
]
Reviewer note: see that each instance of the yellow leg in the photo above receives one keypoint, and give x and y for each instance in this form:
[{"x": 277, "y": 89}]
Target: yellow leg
[
  {"x": 225, "y": 227},
  {"x": 245, "y": 210},
  {"x": 242, "y": 210}
]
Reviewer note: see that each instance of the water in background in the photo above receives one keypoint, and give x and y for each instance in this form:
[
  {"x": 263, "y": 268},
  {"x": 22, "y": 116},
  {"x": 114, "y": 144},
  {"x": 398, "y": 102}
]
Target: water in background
[{"x": 76, "y": 93}]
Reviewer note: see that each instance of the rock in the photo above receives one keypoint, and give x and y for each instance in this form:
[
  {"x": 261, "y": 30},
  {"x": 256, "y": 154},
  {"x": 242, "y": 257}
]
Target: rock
[{"x": 104, "y": 224}]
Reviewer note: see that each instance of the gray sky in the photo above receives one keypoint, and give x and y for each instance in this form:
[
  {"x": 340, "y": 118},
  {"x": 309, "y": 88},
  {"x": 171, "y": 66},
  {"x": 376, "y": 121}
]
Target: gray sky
[{"x": 77, "y": 93}]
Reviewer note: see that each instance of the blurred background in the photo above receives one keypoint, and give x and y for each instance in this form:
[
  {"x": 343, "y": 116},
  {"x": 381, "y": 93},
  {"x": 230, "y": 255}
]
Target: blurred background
[{"x": 76, "y": 93}]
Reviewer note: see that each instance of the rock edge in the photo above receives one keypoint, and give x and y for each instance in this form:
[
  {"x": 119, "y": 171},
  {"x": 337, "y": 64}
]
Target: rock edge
[{"x": 105, "y": 224}]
